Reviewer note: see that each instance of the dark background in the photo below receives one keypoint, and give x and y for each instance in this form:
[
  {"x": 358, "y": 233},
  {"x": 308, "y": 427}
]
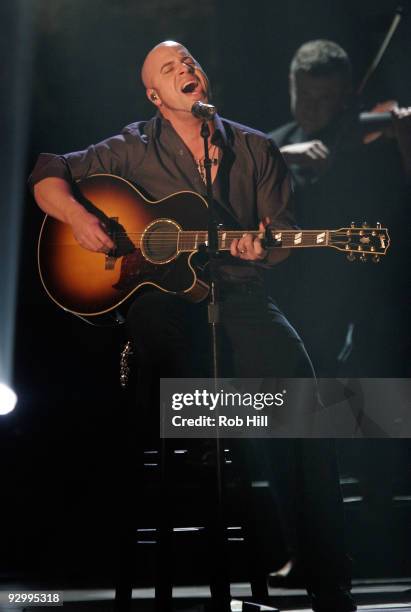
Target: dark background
[{"x": 60, "y": 443}]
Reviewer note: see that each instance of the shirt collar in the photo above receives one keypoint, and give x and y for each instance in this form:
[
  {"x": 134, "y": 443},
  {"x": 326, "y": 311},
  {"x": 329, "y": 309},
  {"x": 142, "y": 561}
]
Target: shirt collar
[{"x": 220, "y": 133}]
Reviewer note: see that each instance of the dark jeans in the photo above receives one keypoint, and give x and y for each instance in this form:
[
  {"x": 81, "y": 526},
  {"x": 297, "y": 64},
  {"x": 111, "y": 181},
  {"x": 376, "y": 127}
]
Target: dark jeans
[
  {"x": 171, "y": 339},
  {"x": 171, "y": 335}
]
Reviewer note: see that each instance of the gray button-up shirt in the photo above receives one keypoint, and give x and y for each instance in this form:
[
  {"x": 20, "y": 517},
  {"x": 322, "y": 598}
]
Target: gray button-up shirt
[{"x": 252, "y": 181}]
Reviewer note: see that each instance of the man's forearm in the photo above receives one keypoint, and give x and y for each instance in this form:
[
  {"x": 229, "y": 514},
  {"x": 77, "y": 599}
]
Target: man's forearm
[{"x": 55, "y": 197}]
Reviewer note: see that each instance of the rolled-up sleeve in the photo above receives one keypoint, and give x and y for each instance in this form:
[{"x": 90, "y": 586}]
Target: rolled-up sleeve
[
  {"x": 114, "y": 155},
  {"x": 48, "y": 165}
]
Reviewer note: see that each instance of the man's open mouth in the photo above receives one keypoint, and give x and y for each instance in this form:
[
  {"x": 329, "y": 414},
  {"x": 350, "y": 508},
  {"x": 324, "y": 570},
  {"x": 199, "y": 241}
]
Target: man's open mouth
[{"x": 190, "y": 86}]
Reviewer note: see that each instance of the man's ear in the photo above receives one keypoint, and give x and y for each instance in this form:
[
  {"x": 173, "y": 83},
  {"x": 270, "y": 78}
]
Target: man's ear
[
  {"x": 291, "y": 82},
  {"x": 153, "y": 97},
  {"x": 292, "y": 92}
]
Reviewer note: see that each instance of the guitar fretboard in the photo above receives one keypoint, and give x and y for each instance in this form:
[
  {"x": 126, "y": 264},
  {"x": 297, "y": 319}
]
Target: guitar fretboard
[{"x": 286, "y": 239}]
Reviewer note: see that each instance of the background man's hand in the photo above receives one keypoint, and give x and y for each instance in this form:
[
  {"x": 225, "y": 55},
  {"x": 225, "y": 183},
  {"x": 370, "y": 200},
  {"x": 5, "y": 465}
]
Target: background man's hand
[
  {"x": 311, "y": 154},
  {"x": 402, "y": 130}
]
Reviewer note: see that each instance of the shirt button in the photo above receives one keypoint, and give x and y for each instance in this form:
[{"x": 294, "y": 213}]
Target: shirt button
[{"x": 181, "y": 152}]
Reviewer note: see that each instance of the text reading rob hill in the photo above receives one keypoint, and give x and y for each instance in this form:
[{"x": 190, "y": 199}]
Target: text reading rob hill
[{"x": 197, "y": 408}]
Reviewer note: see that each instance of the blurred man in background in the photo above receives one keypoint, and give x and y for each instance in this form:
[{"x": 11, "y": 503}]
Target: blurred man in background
[
  {"x": 340, "y": 176},
  {"x": 353, "y": 317}
]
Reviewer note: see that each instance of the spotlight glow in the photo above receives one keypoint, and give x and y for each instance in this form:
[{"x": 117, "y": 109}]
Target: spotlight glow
[{"x": 8, "y": 399}]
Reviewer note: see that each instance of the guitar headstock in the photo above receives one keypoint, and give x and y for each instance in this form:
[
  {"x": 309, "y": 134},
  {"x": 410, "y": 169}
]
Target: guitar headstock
[{"x": 361, "y": 241}]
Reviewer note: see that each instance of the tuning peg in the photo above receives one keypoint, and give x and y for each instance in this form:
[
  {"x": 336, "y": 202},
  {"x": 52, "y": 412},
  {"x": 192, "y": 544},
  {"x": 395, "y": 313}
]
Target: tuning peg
[
  {"x": 363, "y": 258},
  {"x": 375, "y": 258},
  {"x": 351, "y": 256},
  {"x": 364, "y": 224}
]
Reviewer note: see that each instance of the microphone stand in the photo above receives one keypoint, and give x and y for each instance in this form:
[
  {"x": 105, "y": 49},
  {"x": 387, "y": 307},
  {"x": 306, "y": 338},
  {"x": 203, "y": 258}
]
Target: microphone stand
[
  {"x": 219, "y": 585},
  {"x": 213, "y": 251}
]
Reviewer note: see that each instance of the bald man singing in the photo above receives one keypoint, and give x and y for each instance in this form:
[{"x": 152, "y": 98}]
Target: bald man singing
[
  {"x": 165, "y": 155},
  {"x": 251, "y": 188}
]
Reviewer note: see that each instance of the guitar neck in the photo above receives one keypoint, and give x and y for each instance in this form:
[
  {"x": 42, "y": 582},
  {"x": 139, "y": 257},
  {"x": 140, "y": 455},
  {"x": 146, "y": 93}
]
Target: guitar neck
[{"x": 283, "y": 239}]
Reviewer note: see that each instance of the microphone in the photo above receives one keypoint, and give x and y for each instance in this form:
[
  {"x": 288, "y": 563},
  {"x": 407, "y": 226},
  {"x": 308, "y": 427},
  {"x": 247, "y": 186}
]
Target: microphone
[{"x": 203, "y": 111}]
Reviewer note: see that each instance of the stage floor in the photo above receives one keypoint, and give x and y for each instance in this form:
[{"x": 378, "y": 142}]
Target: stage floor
[{"x": 370, "y": 596}]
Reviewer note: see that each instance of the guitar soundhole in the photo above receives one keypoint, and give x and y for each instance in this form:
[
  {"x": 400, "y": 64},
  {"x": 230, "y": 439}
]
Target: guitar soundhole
[{"x": 160, "y": 240}]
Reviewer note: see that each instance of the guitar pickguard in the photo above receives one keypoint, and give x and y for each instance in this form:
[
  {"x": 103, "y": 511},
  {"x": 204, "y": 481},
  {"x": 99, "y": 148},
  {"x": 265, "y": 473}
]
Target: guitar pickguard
[{"x": 174, "y": 276}]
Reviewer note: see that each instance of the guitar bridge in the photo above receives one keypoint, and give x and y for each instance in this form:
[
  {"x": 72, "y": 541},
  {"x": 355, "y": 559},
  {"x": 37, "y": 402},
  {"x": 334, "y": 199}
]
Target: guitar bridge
[{"x": 109, "y": 262}]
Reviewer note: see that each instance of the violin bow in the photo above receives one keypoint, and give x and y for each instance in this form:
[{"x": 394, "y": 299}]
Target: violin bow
[
  {"x": 347, "y": 122},
  {"x": 399, "y": 13}
]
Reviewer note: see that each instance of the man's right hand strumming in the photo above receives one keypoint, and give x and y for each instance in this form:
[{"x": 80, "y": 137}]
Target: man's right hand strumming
[
  {"x": 55, "y": 197},
  {"x": 88, "y": 231}
]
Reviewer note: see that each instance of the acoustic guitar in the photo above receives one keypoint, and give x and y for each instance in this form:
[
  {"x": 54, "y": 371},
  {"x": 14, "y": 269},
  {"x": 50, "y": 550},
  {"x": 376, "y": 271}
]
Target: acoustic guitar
[{"x": 158, "y": 243}]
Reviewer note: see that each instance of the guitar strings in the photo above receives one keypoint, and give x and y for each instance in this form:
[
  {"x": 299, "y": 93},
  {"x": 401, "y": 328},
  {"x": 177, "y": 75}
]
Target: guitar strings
[
  {"x": 191, "y": 235},
  {"x": 287, "y": 238},
  {"x": 231, "y": 233}
]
